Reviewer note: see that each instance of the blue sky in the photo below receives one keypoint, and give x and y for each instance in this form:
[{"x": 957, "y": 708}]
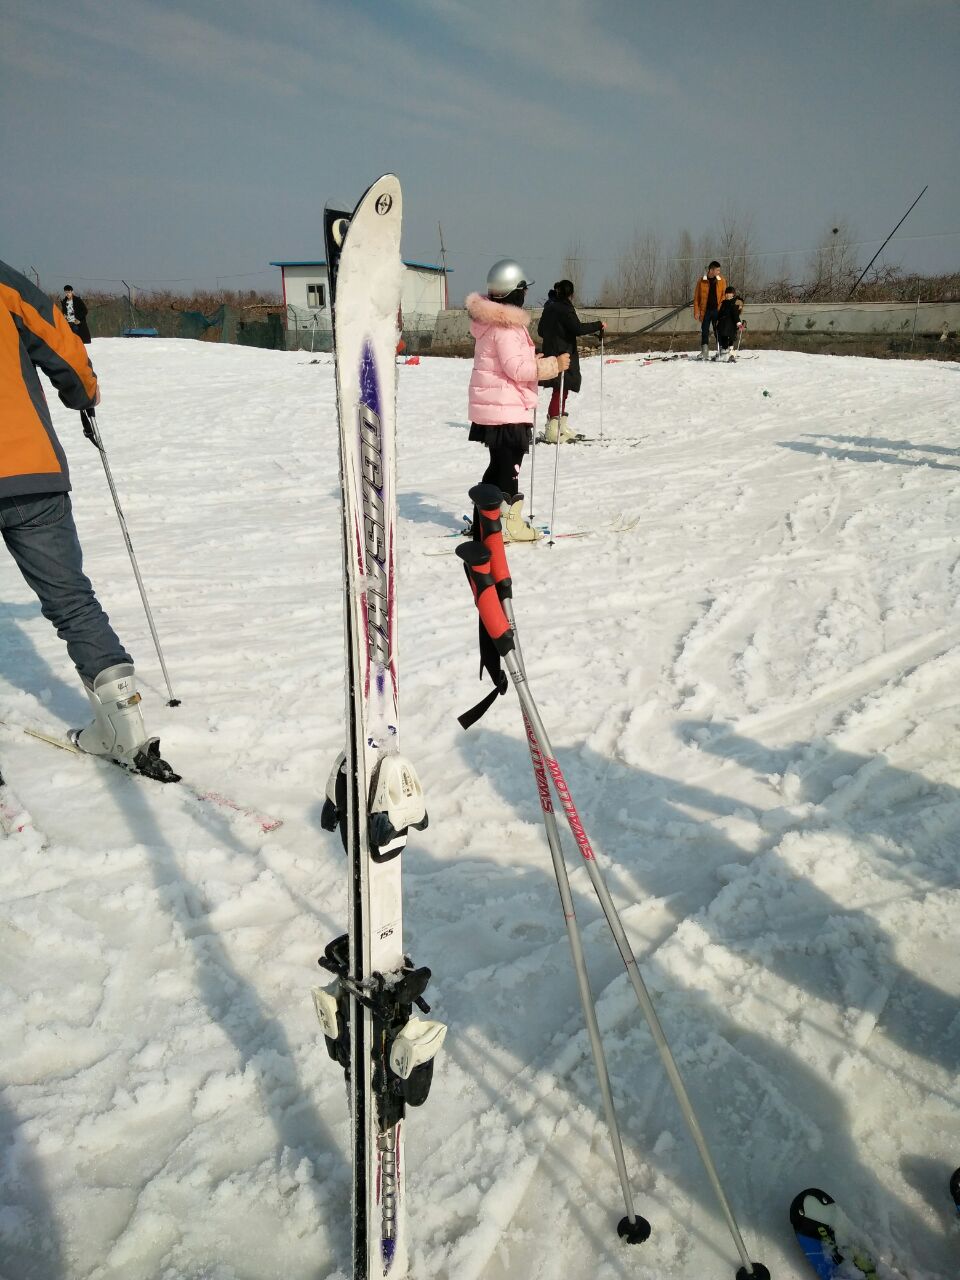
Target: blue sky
[{"x": 175, "y": 143}]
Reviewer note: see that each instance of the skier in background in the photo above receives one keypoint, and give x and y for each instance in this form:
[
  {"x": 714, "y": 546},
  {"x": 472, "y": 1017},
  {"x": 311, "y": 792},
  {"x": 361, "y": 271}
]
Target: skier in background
[
  {"x": 503, "y": 386},
  {"x": 36, "y": 519},
  {"x": 559, "y": 327},
  {"x": 75, "y": 309},
  {"x": 728, "y": 323},
  {"x": 706, "y": 304}
]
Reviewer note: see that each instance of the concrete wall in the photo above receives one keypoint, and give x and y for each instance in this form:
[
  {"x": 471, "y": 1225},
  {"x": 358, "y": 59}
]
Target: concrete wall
[{"x": 453, "y": 327}]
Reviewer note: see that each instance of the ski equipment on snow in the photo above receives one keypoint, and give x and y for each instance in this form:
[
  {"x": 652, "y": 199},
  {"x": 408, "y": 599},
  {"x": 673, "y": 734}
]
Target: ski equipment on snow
[
  {"x": 828, "y": 1238},
  {"x": 92, "y": 432},
  {"x": 13, "y": 817},
  {"x": 217, "y": 799},
  {"x": 489, "y": 578},
  {"x": 373, "y": 794}
]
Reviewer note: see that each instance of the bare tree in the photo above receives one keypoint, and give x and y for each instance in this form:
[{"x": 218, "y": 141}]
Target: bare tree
[
  {"x": 636, "y": 278},
  {"x": 735, "y": 250},
  {"x": 571, "y": 268},
  {"x": 681, "y": 271},
  {"x": 832, "y": 268}
]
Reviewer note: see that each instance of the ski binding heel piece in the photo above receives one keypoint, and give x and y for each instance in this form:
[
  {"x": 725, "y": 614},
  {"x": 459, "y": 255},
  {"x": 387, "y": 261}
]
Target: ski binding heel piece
[
  {"x": 396, "y": 804},
  {"x": 325, "y": 1003},
  {"x": 411, "y": 1057},
  {"x": 149, "y": 763},
  {"x": 332, "y": 1006},
  {"x": 334, "y": 811}
]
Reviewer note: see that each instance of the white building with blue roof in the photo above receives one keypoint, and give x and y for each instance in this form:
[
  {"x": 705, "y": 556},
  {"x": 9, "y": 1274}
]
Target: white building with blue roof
[{"x": 306, "y": 297}]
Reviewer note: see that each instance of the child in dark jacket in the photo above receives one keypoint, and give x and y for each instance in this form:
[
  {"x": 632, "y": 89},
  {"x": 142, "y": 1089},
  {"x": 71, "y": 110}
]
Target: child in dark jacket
[
  {"x": 727, "y": 321},
  {"x": 560, "y": 327}
]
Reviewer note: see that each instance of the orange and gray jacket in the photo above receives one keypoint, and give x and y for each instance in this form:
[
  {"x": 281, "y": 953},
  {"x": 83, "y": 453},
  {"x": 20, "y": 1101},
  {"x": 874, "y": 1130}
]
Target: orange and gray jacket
[
  {"x": 702, "y": 293},
  {"x": 34, "y": 335}
]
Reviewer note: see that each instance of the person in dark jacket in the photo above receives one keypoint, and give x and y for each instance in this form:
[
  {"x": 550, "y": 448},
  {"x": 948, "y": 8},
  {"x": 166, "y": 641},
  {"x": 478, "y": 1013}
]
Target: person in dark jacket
[
  {"x": 560, "y": 327},
  {"x": 728, "y": 320},
  {"x": 75, "y": 309},
  {"x": 36, "y": 519}
]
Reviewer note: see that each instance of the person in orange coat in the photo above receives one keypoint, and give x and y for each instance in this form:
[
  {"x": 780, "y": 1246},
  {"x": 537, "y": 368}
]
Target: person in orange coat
[
  {"x": 36, "y": 519},
  {"x": 706, "y": 305}
]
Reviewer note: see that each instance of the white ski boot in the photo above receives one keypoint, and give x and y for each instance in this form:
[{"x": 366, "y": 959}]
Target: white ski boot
[
  {"x": 118, "y": 731},
  {"x": 558, "y": 431},
  {"x": 705, "y": 351},
  {"x": 515, "y": 528}
]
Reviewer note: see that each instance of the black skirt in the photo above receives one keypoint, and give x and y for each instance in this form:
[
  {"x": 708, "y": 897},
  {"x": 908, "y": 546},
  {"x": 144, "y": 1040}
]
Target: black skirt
[{"x": 512, "y": 435}]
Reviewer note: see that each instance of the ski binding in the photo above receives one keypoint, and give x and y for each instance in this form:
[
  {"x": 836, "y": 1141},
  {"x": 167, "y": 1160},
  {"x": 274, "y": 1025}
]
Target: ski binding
[
  {"x": 396, "y": 804},
  {"x": 403, "y": 1070}
]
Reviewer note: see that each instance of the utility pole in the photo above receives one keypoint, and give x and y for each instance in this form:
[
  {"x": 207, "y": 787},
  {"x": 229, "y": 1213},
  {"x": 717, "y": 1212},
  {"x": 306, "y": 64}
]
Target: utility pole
[{"x": 443, "y": 268}]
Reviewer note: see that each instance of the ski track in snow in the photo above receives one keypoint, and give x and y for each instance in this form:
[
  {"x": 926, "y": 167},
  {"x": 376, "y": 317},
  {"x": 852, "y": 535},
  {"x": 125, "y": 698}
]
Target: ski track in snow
[{"x": 753, "y": 695}]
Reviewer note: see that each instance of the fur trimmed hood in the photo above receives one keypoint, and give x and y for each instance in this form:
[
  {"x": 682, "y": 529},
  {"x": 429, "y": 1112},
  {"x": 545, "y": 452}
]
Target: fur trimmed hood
[{"x": 486, "y": 311}]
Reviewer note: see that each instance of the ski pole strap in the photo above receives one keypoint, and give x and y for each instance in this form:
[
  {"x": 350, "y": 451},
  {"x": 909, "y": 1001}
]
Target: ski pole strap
[
  {"x": 487, "y": 499},
  {"x": 480, "y": 574},
  {"x": 496, "y": 637},
  {"x": 89, "y": 421}
]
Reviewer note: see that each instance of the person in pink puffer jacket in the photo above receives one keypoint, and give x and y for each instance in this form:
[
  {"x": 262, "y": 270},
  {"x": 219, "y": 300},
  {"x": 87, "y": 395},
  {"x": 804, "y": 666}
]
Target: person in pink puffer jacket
[{"x": 503, "y": 386}]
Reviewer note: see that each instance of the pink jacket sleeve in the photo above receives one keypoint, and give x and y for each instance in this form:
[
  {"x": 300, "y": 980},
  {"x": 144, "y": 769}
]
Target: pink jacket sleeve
[{"x": 518, "y": 359}]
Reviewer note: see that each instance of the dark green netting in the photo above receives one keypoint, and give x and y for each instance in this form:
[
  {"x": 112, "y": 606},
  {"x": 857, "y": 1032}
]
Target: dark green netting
[{"x": 253, "y": 328}]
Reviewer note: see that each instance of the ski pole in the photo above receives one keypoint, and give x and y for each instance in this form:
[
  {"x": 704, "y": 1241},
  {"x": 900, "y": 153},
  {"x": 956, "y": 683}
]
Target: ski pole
[
  {"x": 91, "y": 431},
  {"x": 556, "y": 469},
  {"x": 601, "y": 386},
  {"x": 478, "y": 561},
  {"x": 533, "y": 458},
  {"x": 632, "y": 1228}
]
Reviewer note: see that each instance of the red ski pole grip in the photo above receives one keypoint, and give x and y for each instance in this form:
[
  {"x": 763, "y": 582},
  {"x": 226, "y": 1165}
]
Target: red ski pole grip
[
  {"x": 477, "y": 560},
  {"x": 487, "y": 499}
]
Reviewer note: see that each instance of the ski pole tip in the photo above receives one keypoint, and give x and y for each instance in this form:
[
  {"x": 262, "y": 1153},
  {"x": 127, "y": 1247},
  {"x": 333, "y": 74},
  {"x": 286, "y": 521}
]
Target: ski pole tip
[
  {"x": 633, "y": 1230},
  {"x": 173, "y": 702},
  {"x": 757, "y": 1272}
]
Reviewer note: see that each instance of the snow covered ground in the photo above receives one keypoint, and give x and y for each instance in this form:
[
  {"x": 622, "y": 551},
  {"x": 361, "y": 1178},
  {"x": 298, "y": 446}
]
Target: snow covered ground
[{"x": 754, "y": 696}]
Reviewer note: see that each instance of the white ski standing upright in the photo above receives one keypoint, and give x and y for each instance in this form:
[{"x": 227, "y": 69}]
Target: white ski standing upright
[{"x": 373, "y": 795}]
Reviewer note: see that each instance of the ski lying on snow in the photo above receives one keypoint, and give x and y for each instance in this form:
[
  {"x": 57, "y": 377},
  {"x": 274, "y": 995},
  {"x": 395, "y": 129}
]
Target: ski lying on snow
[
  {"x": 594, "y": 442},
  {"x": 13, "y": 817},
  {"x": 830, "y": 1242},
  {"x": 620, "y": 525},
  {"x": 217, "y": 799}
]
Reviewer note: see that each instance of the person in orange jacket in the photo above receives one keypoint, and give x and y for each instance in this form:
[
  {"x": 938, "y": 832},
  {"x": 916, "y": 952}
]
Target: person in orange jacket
[
  {"x": 706, "y": 305},
  {"x": 36, "y": 519}
]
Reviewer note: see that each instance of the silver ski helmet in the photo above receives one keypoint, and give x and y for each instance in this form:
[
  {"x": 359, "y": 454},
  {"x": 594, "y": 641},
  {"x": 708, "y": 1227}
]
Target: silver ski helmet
[{"x": 504, "y": 277}]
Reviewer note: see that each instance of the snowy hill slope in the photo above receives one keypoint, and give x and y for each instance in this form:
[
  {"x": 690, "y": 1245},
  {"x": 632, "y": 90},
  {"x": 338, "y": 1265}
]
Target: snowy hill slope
[{"x": 754, "y": 697}]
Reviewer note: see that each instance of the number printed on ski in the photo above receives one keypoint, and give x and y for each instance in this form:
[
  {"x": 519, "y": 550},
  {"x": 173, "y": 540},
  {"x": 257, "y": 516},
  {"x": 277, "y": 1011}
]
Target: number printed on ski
[{"x": 373, "y": 796}]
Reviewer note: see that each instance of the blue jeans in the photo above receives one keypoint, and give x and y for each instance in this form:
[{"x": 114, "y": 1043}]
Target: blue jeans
[
  {"x": 709, "y": 322},
  {"x": 40, "y": 534}
]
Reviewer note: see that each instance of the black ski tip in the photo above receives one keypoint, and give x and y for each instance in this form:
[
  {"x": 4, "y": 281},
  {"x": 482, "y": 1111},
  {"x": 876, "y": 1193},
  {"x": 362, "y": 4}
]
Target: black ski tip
[
  {"x": 797, "y": 1216},
  {"x": 758, "y": 1272},
  {"x": 634, "y": 1232}
]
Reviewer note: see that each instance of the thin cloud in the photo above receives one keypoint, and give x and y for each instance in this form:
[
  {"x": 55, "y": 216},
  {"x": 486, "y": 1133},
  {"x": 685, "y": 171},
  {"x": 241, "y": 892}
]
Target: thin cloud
[{"x": 567, "y": 43}]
